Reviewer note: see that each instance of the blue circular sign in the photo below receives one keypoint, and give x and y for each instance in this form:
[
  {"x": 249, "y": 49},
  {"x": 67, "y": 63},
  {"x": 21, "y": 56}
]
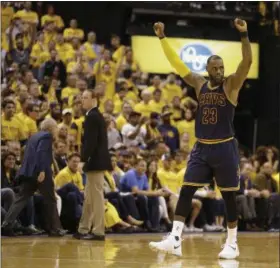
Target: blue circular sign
[{"x": 195, "y": 56}]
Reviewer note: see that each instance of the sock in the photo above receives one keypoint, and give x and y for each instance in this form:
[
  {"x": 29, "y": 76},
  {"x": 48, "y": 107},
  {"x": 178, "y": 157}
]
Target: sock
[
  {"x": 231, "y": 235},
  {"x": 177, "y": 229}
]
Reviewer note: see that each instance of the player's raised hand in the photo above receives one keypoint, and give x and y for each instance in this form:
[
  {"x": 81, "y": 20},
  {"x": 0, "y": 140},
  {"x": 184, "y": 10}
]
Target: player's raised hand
[
  {"x": 240, "y": 25},
  {"x": 159, "y": 29}
]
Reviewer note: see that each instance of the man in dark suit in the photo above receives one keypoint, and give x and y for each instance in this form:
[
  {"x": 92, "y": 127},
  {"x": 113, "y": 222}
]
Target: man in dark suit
[
  {"x": 96, "y": 159},
  {"x": 36, "y": 173}
]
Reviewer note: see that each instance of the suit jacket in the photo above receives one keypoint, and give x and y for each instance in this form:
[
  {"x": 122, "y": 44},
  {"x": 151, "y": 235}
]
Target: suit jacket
[
  {"x": 37, "y": 156},
  {"x": 95, "y": 151}
]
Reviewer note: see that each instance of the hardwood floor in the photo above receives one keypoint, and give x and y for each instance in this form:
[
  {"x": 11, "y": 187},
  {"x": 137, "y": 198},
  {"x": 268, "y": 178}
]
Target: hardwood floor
[{"x": 258, "y": 250}]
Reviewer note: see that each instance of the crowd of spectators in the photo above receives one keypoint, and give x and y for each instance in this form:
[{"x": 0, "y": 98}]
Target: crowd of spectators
[{"x": 46, "y": 66}]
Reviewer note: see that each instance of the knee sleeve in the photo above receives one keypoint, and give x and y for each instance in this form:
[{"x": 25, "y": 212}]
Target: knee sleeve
[
  {"x": 231, "y": 206},
  {"x": 185, "y": 201}
]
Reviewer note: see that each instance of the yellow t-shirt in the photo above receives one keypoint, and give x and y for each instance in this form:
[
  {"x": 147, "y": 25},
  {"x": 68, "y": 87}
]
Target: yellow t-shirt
[
  {"x": 176, "y": 113},
  {"x": 40, "y": 55},
  {"x": 176, "y": 167},
  {"x": 12, "y": 129},
  {"x": 189, "y": 127},
  {"x": 55, "y": 18},
  {"x": 110, "y": 81},
  {"x": 181, "y": 175},
  {"x": 117, "y": 104},
  {"x": 144, "y": 109},
  {"x": 117, "y": 55},
  {"x": 120, "y": 122},
  {"x": 67, "y": 176},
  {"x": 170, "y": 91},
  {"x": 7, "y": 14},
  {"x": 28, "y": 16},
  {"x": 89, "y": 51},
  {"x": 71, "y": 33},
  {"x": 102, "y": 63},
  {"x": 72, "y": 64},
  {"x": 169, "y": 179},
  {"x": 28, "y": 124},
  {"x": 49, "y": 36},
  {"x": 64, "y": 50},
  {"x": 157, "y": 106},
  {"x": 51, "y": 95},
  {"x": 67, "y": 92},
  {"x": 151, "y": 89}
]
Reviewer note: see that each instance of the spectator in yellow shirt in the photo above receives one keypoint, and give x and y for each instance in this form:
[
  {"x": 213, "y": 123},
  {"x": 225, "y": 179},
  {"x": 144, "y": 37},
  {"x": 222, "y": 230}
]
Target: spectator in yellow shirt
[
  {"x": 106, "y": 59},
  {"x": 144, "y": 107},
  {"x": 27, "y": 15},
  {"x": 156, "y": 84},
  {"x": 91, "y": 48},
  {"x": 40, "y": 52},
  {"x": 108, "y": 75},
  {"x": 51, "y": 16},
  {"x": 157, "y": 103},
  {"x": 71, "y": 89},
  {"x": 50, "y": 32},
  {"x": 70, "y": 174},
  {"x": 79, "y": 65},
  {"x": 118, "y": 48},
  {"x": 118, "y": 99},
  {"x": 28, "y": 117},
  {"x": 132, "y": 90},
  {"x": 63, "y": 49},
  {"x": 187, "y": 125},
  {"x": 179, "y": 162},
  {"x": 73, "y": 31},
  {"x": 122, "y": 119},
  {"x": 11, "y": 128},
  {"x": 69, "y": 185},
  {"x": 171, "y": 89},
  {"x": 129, "y": 62},
  {"x": 176, "y": 109}
]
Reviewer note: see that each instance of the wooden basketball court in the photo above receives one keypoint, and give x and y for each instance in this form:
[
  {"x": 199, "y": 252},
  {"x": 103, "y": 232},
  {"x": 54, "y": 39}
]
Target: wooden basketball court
[{"x": 258, "y": 250}]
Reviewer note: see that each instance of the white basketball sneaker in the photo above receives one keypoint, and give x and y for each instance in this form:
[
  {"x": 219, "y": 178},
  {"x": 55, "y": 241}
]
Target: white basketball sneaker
[
  {"x": 170, "y": 244},
  {"x": 230, "y": 251}
]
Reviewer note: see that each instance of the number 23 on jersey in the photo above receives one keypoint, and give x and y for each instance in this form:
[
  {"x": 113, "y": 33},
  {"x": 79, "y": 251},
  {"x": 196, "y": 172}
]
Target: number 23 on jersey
[{"x": 210, "y": 116}]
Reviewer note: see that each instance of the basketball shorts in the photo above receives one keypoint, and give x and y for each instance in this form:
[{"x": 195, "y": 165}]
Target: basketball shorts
[{"x": 214, "y": 161}]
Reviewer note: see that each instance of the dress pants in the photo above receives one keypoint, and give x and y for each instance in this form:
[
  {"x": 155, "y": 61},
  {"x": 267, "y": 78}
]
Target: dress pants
[
  {"x": 92, "y": 219},
  {"x": 246, "y": 207},
  {"x": 27, "y": 189}
]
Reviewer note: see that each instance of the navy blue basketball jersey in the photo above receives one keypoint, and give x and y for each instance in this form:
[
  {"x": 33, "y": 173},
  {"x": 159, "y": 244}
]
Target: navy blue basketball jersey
[{"x": 215, "y": 113}]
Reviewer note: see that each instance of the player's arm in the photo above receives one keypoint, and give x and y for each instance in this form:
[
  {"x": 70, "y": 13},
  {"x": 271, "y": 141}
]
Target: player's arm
[
  {"x": 193, "y": 79},
  {"x": 235, "y": 81}
]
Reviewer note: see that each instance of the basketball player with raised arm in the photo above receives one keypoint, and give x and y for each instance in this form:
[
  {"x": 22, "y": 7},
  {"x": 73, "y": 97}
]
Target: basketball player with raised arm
[{"x": 215, "y": 155}]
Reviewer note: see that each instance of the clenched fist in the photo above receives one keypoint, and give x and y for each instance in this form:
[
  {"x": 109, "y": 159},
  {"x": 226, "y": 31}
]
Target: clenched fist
[
  {"x": 240, "y": 25},
  {"x": 159, "y": 29}
]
